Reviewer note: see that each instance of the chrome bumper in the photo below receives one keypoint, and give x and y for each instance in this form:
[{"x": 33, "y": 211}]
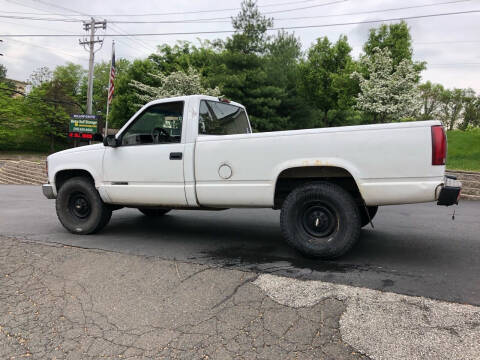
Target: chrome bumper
[{"x": 47, "y": 190}]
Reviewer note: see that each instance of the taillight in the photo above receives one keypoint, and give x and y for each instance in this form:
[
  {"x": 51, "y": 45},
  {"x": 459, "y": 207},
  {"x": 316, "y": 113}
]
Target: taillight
[{"x": 439, "y": 145}]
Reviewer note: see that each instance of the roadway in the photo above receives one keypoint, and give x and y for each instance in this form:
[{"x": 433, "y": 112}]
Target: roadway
[{"x": 414, "y": 249}]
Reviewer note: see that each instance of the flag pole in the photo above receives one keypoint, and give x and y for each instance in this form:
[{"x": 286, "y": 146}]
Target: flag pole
[{"x": 108, "y": 91}]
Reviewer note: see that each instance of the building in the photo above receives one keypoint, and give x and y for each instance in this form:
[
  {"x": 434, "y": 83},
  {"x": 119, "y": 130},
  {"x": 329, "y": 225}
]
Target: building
[{"x": 20, "y": 86}]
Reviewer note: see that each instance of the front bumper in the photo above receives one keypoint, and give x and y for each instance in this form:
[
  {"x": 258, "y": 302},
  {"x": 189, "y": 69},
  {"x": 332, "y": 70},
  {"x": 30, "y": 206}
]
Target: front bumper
[
  {"x": 47, "y": 190},
  {"x": 450, "y": 192}
]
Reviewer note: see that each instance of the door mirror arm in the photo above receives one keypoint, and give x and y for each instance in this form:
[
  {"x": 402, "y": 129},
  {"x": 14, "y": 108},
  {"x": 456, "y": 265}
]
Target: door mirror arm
[{"x": 111, "y": 140}]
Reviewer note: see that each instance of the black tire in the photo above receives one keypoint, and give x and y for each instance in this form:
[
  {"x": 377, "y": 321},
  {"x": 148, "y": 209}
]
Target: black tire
[
  {"x": 153, "y": 212},
  {"x": 364, "y": 218},
  {"x": 320, "y": 220},
  {"x": 80, "y": 208}
]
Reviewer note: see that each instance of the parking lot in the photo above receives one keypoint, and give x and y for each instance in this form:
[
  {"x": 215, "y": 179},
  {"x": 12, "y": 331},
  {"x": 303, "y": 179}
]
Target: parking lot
[{"x": 224, "y": 285}]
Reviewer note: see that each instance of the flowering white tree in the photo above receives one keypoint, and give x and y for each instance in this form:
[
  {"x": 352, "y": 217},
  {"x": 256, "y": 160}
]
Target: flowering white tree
[
  {"x": 387, "y": 92},
  {"x": 176, "y": 84}
]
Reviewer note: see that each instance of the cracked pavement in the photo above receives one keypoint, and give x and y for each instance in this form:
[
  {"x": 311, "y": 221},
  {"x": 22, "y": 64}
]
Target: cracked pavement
[
  {"x": 63, "y": 302},
  {"x": 196, "y": 285},
  {"x": 68, "y": 303}
]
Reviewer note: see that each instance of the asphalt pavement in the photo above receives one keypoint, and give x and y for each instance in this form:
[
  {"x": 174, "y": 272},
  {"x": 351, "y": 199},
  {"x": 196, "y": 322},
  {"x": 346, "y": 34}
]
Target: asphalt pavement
[{"x": 414, "y": 249}]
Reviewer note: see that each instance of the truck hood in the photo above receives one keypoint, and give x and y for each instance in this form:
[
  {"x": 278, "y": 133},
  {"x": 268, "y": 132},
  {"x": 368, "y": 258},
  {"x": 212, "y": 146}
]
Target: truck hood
[{"x": 78, "y": 150}]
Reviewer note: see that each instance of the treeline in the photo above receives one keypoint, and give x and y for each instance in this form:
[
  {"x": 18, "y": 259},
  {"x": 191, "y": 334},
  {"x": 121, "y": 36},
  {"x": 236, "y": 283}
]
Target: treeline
[{"x": 281, "y": 86}]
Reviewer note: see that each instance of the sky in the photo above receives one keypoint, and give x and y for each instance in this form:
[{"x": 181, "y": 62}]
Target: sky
[{"x": 449, "y": 44}]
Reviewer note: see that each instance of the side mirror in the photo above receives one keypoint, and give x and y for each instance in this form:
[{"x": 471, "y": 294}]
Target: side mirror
[
  {"x": 110, "y": 140},
  {"x": 97, "y": 137}
]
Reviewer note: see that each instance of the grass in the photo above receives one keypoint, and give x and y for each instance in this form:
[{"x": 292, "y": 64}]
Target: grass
[{"x": 463, "y": 150}]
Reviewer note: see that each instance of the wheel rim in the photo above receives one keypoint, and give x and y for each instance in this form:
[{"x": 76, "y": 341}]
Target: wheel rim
[
  {"x": 319, "y": 220},
  {"x": 79, "y": 205}
]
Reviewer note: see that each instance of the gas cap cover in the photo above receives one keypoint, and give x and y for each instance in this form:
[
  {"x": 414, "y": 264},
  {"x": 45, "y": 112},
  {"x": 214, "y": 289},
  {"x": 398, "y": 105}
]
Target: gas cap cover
[{"x": 225, "y": 171}]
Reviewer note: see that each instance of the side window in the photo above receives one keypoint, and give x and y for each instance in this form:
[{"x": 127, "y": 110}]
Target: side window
[
  {"x": 158, "y": 124},
  {"x": 218, "y": 118}
]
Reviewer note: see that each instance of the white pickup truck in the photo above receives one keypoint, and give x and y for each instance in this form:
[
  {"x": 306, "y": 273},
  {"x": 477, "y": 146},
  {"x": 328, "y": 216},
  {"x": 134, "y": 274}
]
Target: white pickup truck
[{"x": 199, "y": 152}]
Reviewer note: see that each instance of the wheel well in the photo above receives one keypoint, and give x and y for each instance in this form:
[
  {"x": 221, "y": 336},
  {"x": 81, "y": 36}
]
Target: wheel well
[
  {"x": 291, "y": 178},
  {"x": 64, "y": 175}
]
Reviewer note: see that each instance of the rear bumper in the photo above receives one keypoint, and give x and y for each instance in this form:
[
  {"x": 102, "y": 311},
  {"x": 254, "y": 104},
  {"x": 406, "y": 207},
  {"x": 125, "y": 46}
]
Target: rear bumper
[
  {"x": 47, "y": 190},
  {"x": 450, "y": 192}
]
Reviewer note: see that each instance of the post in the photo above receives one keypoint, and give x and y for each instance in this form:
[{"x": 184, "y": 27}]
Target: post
[
  {"x": 106, "y": 120},
  {"x": 90, "y": 67},
  {"x": 108, "y": 91},
  {"x": 91, "y": 26}
]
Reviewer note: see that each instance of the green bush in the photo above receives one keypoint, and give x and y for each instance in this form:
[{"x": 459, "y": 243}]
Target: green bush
[{"x": 25, "y": 139}]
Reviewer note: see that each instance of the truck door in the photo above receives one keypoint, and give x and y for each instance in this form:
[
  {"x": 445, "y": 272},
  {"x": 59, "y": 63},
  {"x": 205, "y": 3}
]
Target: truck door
[{"x": 147, "y": 166}]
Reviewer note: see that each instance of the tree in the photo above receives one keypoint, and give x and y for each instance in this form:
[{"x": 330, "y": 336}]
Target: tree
[
  {"x": 396, "y": 38},
  {"x": 10, "y": 108},
  {"x": 184, "y": 55},
  {"x": 281, "y": 65},
  {"x": 3, "y": 72},
  {"x": 40, "y": 76},
  {"x": 70, "y": 77},
  {"x": 325, "y": 79},
  {"x": 387, "y": 93},
  {"x": 176, "y": 84},
  {"x": 451, "y": 107},
  {"x": 471, "y": 114},
  {"x": 250, "y": 29},
  {"x": 49, "y": 108},
  {"x": 241, "y": 74},
  {"x": 431, "y": 95},
  {"x": 125, "y": 100}
]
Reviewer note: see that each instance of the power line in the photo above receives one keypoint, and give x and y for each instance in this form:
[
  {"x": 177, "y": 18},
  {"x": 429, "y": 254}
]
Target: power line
[
  {"x": 303, "y": 8},
  {"x": 220, "y": 19},
  {"x": 136, "y": 41},
  {"x": 55, "y": 50},
  {"x": 454, "y": 64},
  {"x": 270, "y": 29},
  {"x": 174, "y": 13},
  {"x": 18, "y": 17},
  {"x": 446, "y": 42},
  {"x": 47, "y": 100},
  {"x": 224, "y": 19},
  {"x": 39, "y": 18},
  {"x": 116, "y": 29},
  {"x": 59, "y": 7},
  {"x": 375, "y": 11}
]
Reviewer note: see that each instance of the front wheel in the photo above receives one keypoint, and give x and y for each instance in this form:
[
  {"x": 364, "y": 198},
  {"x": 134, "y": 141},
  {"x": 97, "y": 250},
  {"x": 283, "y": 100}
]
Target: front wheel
[
  {"x": 80, "y": 208},
  {"x": 320, "y": 220}
]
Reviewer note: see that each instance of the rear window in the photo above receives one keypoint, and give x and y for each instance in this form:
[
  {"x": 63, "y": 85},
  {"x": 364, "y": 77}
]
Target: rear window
[{"x": 218, "y": 118}]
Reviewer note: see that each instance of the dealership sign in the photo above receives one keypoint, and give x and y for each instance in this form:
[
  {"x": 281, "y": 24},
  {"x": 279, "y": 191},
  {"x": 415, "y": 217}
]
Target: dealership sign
[{"x": 83, "y": 126}]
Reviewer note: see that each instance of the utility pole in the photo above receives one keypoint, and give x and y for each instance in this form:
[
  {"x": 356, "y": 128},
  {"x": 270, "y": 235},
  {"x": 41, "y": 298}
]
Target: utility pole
[{"x": 92, "y": 26}]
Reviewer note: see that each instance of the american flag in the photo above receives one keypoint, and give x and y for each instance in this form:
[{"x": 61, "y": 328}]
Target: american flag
[{"x": 111, "y": 85}]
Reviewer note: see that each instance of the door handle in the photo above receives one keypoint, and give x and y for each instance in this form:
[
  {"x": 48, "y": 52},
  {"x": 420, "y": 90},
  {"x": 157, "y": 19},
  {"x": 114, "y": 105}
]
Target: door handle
[{"x": 176, "y": 156}]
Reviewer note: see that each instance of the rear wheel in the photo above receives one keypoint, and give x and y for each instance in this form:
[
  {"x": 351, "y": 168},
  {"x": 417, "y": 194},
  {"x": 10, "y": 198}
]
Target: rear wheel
[
  {"x": 320, "y": 220},
  {"x": 80, "y": 208},
  {"x": 366, "y": 217},
  {"x": 153, "y": 212}
]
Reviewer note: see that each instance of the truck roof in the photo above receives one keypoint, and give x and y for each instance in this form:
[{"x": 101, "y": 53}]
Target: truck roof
[{"x": 199, "y": 96}]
